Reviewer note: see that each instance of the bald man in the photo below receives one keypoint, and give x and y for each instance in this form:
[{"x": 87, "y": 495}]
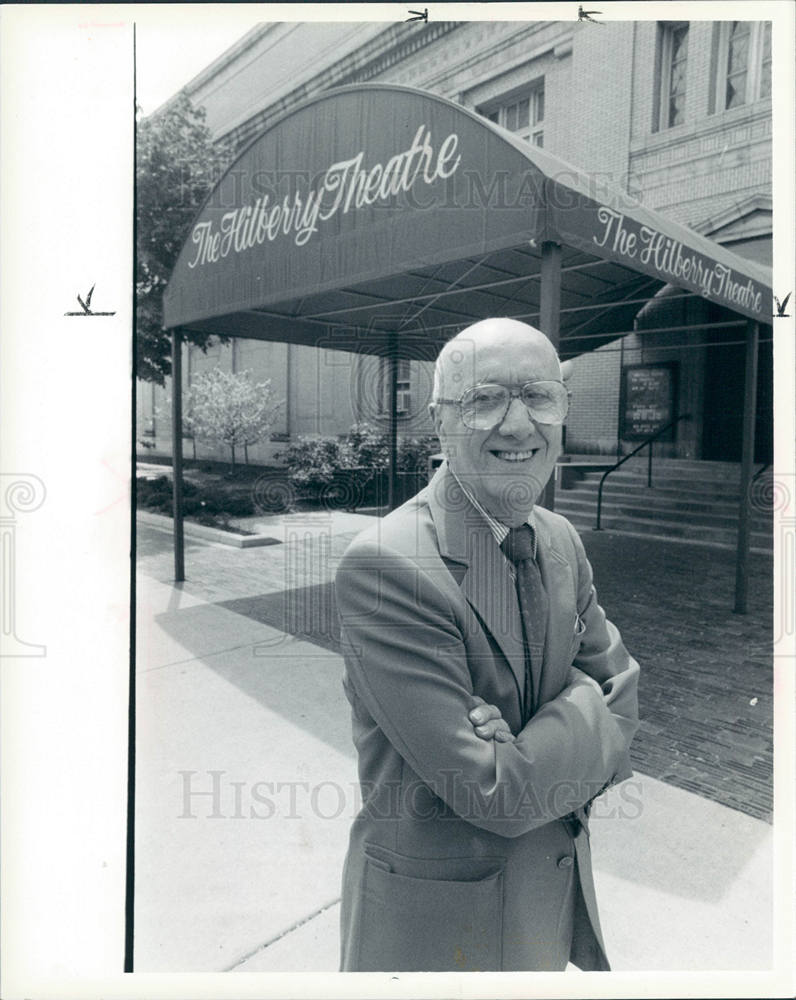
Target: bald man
[{"x": 491, "y": 699}]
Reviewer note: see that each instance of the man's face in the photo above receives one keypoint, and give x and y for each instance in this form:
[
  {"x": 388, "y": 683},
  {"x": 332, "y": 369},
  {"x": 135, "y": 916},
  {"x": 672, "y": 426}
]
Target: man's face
[{"x": 507, "y": 466}]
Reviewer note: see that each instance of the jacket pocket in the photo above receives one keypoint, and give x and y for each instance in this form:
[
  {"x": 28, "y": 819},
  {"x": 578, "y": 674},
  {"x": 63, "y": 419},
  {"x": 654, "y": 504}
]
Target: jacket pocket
[{"x": 420, "y": 924}]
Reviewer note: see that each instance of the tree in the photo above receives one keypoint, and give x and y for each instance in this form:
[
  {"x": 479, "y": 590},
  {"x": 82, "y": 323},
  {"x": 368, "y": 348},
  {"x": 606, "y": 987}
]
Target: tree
[
  {"x": 177, "y": 165},
  {"x": 232, "y": 409}
]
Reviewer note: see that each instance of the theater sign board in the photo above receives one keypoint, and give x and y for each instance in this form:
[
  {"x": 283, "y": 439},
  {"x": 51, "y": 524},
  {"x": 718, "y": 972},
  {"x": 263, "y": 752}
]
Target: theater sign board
[
  {"x": 370, "y": 182},
  {"x": 618, "y": 233},
  {"x": 362, "y": 184},
  {"x": 345, "y": 186}
]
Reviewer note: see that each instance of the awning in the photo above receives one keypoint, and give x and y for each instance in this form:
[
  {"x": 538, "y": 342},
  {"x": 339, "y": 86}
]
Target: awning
[
  {"x": 376, "y": 208},
  {"x": 381, "y": 219}
]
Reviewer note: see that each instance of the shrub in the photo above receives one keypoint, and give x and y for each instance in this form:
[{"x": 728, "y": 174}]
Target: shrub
[
  {"x": 312, "y": 462},
  {"x": 315, "y": 464},
  {"x": 204, "y": 504},
  {"x": 368, "y": 446},
  {"x": 414, "y": 453}
]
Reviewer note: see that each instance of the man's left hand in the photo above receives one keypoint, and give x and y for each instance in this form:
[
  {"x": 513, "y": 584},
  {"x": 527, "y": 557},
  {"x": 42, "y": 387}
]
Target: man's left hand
[{"x": 489, "y": 724}]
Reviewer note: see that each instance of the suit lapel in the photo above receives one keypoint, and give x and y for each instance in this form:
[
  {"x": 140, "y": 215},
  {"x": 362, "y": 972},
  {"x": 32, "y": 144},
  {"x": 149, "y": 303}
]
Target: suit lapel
[
  {"x": 557, "y": 579},
  {"x": 465, "y": 538},
  {"x": 469, "y": 549}
]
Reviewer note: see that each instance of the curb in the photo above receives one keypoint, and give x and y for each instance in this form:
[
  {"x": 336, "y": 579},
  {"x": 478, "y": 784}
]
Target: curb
[{"x": 204, "y": 531}]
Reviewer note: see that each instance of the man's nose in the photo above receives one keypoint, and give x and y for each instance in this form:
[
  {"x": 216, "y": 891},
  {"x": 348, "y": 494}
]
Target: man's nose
[{"x": 517, "y": 422}]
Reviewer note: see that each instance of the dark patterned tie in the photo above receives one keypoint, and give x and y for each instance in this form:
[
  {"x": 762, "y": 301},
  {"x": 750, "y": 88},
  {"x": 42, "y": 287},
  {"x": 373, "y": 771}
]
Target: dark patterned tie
[{"x": 517, "y": 546}]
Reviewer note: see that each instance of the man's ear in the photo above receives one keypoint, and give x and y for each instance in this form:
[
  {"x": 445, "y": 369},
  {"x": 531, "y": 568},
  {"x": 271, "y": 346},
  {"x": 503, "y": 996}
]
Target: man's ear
[{"x": 436, "y": 416}]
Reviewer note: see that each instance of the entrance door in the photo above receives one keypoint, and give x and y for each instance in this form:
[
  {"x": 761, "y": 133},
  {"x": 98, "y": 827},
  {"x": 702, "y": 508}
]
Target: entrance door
[{"x": 722, "y": 431}]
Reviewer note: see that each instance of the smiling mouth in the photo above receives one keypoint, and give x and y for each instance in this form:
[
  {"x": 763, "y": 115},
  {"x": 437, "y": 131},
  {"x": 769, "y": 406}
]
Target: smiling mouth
[{"x": 515, "y": 456}]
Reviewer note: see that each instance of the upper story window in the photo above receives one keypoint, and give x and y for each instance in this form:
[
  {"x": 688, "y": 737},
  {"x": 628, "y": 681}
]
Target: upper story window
[
  {"x": 744, "y": 62},
  {"x": 674, "y": 61},
  {"x": 522, "y": 113},
  {"x": 403, "y": 387}
]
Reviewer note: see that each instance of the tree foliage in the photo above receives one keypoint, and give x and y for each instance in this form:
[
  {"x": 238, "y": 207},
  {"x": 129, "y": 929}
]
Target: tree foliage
[
  {"x": 177, "y": 165},
  {"x": 231, "y": 408}
]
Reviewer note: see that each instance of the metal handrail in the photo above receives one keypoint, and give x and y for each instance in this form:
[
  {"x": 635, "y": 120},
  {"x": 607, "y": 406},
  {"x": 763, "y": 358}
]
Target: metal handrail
[
  {"x": 760, "y": 471},
  {"x": 647, "y": 441}
]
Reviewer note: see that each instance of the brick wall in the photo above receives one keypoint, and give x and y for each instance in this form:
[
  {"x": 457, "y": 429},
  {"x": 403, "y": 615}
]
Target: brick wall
[
  {"x": 600, "y": 99},
  {"x": 592, "y": 420},
  {"x": 711, "y": 161}
]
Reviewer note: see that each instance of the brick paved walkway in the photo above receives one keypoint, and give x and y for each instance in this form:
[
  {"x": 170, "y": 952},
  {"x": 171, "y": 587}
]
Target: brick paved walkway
[{"x": 702, "y": 665}]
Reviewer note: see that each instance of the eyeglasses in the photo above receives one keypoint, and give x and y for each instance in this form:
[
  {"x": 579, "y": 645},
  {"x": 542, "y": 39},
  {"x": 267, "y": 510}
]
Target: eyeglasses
[{"x": 484, "y": 406}]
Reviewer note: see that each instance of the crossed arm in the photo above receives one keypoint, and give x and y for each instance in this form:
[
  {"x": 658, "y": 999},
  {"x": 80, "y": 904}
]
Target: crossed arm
[
  {"x": 489, "y": 724},
  {"x": 411, "y": 674}
]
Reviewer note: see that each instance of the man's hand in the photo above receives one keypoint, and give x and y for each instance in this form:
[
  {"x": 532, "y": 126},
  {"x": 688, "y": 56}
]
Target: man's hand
[{"x": 489, "y": 723}]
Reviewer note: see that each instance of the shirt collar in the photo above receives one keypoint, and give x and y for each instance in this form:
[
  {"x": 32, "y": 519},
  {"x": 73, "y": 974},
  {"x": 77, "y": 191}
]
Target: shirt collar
[{"x": 498, "y": 529}]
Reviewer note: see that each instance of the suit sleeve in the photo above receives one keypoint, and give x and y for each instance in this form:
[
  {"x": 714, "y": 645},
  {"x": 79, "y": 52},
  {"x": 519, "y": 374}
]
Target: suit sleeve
[
  {"x": 407, "y": 662},
  {"x": 602, "y": 655}
]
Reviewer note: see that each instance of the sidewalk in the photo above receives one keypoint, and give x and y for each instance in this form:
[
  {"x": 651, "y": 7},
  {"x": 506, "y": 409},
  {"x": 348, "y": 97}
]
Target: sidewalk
[{"x": 246, "y": 775}]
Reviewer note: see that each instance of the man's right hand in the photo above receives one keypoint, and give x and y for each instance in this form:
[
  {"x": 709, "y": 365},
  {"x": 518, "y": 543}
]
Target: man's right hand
[{"x": 489, "y": 724}]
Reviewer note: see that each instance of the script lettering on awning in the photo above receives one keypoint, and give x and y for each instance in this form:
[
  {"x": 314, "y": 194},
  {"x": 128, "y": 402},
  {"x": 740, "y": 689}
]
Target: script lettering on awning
[
  {"x": 674, "y": 261},
  {"x": 344, "y": 185}
]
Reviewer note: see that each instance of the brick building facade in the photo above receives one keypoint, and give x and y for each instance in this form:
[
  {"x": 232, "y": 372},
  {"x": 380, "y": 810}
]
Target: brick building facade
[{"x": 676, "y": 113}]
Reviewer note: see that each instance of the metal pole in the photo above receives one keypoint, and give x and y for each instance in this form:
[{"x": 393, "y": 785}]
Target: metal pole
[
  {"x": 747, "y": 460},
  {"x": 649, "y": 465},
  {"x": 176, "y": 453},
  {"x": 392, "y": 497},
  {"x": 619, "y": 398},
  {"x": 549, "y": 324}
]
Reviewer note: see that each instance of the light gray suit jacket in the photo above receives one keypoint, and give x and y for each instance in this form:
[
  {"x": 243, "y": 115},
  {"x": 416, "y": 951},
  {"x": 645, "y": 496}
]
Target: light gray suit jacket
[{"x": 459, "y": 858}]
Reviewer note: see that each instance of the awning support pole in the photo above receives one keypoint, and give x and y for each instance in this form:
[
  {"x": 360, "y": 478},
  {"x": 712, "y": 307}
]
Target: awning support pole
[
  {"x": 392, "y": 497},
  {"x": 549, "y": 324},
  {"x": 176, "y": 453},
  {"x": 747, "y": 460}
]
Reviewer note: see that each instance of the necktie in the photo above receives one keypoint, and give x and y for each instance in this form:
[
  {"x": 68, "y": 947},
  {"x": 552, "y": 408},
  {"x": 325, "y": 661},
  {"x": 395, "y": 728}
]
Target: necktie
[{"x": 517, "y": 546}]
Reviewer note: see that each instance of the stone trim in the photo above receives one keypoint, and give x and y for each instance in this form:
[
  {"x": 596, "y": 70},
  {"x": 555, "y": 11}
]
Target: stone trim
[
  {"x": 721, "y": 122},
  {"x": 369, "y": 61}
]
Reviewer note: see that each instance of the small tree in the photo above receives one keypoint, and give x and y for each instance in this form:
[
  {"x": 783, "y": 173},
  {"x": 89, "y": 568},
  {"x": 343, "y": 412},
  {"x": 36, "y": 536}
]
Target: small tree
[
  {"x": 177, "y": 165},
  {"x": 232, "y": 409}
]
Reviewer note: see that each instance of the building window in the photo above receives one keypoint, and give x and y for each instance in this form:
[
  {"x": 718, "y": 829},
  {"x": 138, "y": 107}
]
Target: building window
[
  {"x": 674, "y": 61},
  {"x": 403, "y": 387},
  {"x": 744, "y": 62},
  {"x": 522, "y": 113}
]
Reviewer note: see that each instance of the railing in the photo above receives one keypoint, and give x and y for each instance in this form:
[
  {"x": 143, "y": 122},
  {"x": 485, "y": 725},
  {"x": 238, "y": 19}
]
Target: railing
[
  {"x": 760, "y": 471},
  {"x": 646, "y": 442}
]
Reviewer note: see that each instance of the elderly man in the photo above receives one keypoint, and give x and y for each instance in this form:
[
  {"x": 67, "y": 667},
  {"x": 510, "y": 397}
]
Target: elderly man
[{"x": 491, "y": 699}]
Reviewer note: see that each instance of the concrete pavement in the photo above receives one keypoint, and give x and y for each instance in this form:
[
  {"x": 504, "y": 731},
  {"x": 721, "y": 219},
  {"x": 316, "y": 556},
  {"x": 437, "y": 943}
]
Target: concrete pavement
[{"x": 246, "y": 787}]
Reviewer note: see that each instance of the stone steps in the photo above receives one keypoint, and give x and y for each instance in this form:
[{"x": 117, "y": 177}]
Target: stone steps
[
  {"x": 660, "y": 508},
  {"x": 689, "y": 501}
]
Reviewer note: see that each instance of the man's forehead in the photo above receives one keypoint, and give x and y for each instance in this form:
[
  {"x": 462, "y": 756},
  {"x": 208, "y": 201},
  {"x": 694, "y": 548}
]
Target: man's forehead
[{"x": 524, "y": 358}]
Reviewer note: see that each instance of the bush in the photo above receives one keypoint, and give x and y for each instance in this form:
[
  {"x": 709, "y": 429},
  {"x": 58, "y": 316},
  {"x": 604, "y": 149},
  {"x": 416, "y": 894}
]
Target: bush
[
  {"x": 414, "y": 453},
  {"x": 312, "y": 462},
  {"x": 205, "y": 504},
  {"x": 368, "y": 447},
  {"x": 314, "y": 465}
]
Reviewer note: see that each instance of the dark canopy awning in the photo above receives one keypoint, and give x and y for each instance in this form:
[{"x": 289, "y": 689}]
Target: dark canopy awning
[
  {"x": 377, "y": 209},
  {"x": 381, "y": 219}
]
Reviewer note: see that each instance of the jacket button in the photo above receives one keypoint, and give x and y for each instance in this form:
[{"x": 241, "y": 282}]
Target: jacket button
[{"x": 566, "y": 861}]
